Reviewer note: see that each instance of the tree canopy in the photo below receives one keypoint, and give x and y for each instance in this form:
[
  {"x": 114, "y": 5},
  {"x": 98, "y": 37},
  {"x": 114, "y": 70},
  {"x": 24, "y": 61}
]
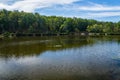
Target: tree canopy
[{"x": 22, "y": 22}]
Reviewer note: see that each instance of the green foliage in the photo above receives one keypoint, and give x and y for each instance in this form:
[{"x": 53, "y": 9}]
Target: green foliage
[
  {"x": 22, "y": 22},
  {"x": 95, "y": 28},
  {"x": 6, "y": 34}
]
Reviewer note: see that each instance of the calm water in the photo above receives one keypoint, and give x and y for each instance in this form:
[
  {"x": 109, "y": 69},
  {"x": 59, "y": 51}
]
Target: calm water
[{"x": 60, "y": 58}]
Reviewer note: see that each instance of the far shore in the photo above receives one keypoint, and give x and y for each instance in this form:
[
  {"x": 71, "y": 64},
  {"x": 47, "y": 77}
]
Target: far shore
[{"x": 54, "y": 34}]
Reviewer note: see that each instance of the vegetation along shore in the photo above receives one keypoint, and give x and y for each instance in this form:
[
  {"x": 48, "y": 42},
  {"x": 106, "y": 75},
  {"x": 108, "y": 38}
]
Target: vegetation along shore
[{"x": 15, "y": 23}]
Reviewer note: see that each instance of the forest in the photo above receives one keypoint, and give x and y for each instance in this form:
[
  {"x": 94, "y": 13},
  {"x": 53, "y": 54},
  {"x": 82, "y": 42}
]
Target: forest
[{"x": 23, "y": 22}]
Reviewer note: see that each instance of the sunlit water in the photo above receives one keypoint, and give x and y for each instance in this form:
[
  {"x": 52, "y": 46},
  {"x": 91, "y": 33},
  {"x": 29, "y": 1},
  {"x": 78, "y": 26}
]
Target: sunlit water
[{"x": 60, "y": 58}]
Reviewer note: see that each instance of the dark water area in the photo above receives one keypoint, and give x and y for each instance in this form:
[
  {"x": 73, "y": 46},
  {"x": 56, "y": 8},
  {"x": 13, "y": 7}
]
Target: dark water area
[{"x": 60, "y": 58}]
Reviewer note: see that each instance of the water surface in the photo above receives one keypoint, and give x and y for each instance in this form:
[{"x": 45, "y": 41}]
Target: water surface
[{"x": 60, "y": 58}]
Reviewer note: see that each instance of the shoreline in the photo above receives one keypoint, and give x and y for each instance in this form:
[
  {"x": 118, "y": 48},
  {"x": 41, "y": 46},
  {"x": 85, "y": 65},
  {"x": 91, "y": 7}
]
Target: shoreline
[{"x": 12, "y": 35}]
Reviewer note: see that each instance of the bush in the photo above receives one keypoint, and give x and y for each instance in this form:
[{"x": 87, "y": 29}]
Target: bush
[{"x": 6, "y": 34}]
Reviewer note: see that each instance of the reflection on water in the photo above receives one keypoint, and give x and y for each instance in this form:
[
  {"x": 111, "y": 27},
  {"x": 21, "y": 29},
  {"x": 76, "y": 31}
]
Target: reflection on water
[{"x": 60, "y": 58}]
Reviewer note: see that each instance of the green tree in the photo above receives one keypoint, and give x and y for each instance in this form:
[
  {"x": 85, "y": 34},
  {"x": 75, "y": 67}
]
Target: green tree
[{"x": 95, "y": 28}]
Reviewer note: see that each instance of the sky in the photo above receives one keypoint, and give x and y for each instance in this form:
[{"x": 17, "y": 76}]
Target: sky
[{"x": 102, "y": 10}]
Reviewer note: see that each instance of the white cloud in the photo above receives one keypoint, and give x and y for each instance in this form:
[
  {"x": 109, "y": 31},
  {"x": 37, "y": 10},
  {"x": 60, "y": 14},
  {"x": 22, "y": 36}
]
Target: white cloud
[
  {"x": 92, "y": 7},
  {"x": 94, "y": 10},
  {"x": 104, "y": 14},
  {"x": 99, "y": 8},
  {"x": 31, "y": 5},
  {"x": 98, "y": 11}
]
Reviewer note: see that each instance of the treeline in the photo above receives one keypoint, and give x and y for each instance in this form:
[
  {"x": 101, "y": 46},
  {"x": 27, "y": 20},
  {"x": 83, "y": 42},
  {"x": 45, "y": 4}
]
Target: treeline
[{"x": 22, "y": 22}]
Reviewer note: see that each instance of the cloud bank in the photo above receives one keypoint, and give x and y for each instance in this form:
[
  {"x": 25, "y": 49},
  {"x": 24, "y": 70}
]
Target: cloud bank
[{"x": 31, "y": 5}]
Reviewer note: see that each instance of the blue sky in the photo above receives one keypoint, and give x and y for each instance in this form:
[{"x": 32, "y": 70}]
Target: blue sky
[{"x": 103, "y": 10}]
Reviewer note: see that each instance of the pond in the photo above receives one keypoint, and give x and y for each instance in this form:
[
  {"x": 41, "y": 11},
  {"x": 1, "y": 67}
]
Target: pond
[{"x": 60, "y": 58}]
